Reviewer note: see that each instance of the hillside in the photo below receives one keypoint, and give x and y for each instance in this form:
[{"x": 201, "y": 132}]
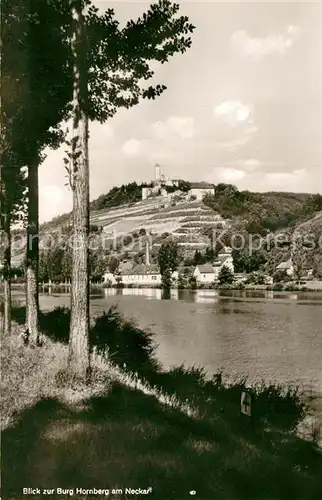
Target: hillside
[{"x": 192, "y": 222}]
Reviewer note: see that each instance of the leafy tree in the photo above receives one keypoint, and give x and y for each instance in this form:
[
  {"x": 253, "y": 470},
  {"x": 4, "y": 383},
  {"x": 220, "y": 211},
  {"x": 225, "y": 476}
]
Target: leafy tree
[
  {"x": 197, "y": 259},
  {"x": 156, "y": 36},
  {"x": 240, "y": 260},
  {"x": 226, "y": 276},
  {"x": 35, "y": 74},
  {"x": 44, "y": 272},
  {"x": 139, "y": 257},
  {"x": 193, "y": 282},
  {"x": 280, "y": 276},
  {"x": 168, "y": 260},
  {"x": 184, "y": 186},
  {"x": 66, "y": 265},
  {"x": 12, "y": 204},
  {"x": 113, "y": 264},
  {"x": 127, "y": 193},
  {"x": 313, "y": 204},
  {"x": 111, "y": 63},
  {"x": 97, "y": 265},
  {"x": 209, "y": 255},
  {"x": 298, "y": 253},
  {"x": 182, "y": 281},
  {"x": 256, "y": 260}
]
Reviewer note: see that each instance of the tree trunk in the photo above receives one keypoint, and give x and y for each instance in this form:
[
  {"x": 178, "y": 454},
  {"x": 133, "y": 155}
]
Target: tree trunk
[
  {"x": 32, "y": 257},
  {"x": 7, "y": 277},
  {"x": 1, "y": 243},
  {"x": 79, "y": 359},
  {"x": 5, "y": 307}
]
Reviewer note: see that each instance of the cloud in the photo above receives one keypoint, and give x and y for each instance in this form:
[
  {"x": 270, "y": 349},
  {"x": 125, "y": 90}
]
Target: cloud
[
  {"x": 249, "y": 164},
  {"x": 252, "y": 164},
  {"x": 182, "y": 126},
  {"x": 234, "y": 125},
  {"x": 244, "y": 137},
  {"x": 229, "y": 175},
  {"x": 132, "y": 147},
  {"x": 285, "y": 180},
  {"x": 299, "y": 171},
  {"x": 233, "y": 112},
  {"x": 256, "y": 48}
]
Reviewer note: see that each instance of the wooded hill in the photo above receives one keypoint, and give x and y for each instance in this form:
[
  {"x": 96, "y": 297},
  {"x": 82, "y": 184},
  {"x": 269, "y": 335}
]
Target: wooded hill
[
  {"x": 261, "y": 211},
  {"x": 122, "y": 212}
]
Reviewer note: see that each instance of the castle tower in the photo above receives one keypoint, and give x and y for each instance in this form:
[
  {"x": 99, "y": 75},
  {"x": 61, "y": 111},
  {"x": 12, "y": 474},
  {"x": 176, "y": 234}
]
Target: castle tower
[{"x": 157, "y": 171}]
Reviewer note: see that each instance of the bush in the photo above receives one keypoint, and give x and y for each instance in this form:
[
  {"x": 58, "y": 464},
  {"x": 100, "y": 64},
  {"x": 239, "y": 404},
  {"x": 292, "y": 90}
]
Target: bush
[
  {"x": 272, "y": 405},
  {"x": 278, "y": 287},
  {"x": 291, "y": 288},
  {"x": 123, "y": 343},
  {"x": 55, "y": 324}
]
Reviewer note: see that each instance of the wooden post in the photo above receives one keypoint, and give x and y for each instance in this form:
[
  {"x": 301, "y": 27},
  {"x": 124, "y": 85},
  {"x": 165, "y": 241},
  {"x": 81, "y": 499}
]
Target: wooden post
[
  {"x": 246, "y": 404},
  {"x": 246, "y": 410}
]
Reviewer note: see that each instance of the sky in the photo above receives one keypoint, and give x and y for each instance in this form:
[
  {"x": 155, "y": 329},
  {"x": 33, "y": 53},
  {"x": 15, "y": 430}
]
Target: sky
[{"x": 243, "y": 105}]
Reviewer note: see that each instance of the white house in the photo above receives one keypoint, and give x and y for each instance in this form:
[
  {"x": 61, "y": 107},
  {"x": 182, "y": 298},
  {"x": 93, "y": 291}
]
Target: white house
[
  {"x": 268, "y": 280},
  {"x": 204, "y": 274},
  {"x": 224, "y": 259},
  {"x": 109, "y": 278},
  {"x": 141, "y": 275},
  {"x": 286, "y": 266},
  {"x": 208, "y": 273},
  {"x": 199, "y": 189}
]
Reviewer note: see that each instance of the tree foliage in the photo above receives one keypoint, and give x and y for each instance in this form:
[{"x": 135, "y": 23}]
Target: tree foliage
[
  {"x": 298, "y": 253},
  {"x": 262, "y": 212},
  {"x": 127, "y": 193},
  {"x": 226, "y": 276},
  {"x": 168, "y": 257},
  {"x": 55, "y": 264}
]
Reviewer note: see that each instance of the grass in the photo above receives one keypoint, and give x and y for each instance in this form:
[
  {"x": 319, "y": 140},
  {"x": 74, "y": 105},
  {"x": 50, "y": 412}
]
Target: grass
[{"x": 137, "y": 427}]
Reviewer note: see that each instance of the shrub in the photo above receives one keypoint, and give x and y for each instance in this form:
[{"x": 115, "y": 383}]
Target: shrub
[
  {"x": 123, "y": 343},
  {"x": 55, "y": 324},
  {"x": 278, "y": 287},
  {"x": 291, "y": 288}
]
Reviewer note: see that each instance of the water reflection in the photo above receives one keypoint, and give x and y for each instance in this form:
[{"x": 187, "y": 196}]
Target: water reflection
[
  {"x": 206, "y": 296},
  {"x": 198, "y": 296},
  {"x": 148, "y": 293},
  {"x": 195, "y": 296}
]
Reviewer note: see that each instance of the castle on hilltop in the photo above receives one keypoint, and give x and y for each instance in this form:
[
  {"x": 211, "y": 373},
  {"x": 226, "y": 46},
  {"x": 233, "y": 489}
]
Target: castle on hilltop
[{"x": 161, "y": 184}]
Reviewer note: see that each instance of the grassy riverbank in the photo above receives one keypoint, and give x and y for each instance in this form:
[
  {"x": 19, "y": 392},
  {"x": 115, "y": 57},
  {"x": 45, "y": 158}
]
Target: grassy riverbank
[{"x": 174, "y": 432}]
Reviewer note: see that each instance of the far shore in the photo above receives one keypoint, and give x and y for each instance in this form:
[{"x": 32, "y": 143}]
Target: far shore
[{"x": 277, "y": 287}]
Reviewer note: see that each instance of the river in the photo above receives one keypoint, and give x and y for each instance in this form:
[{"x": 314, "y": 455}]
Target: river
[{"x": 275, "y": 337}]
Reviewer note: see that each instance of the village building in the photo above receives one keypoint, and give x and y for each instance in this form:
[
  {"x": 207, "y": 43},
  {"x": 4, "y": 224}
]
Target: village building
[
  {"x": 224, "y": 259},
  {"x": 287, "y": 267},
  {"x": 142, "y": 274},
  {"x": 146, "y": 274},
  {"x": 204, "y": 274},
  {"x": 158, "y": 187},
  {"x": 208, "y": 273},
  {"x": 200, "y": 189}
]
